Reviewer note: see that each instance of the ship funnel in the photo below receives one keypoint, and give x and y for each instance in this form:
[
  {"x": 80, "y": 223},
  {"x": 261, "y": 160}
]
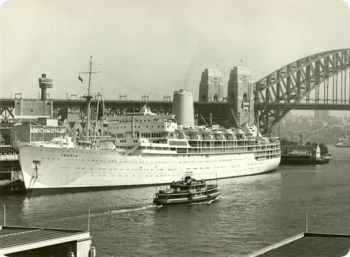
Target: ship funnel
[{"x": 183, "y": 107}]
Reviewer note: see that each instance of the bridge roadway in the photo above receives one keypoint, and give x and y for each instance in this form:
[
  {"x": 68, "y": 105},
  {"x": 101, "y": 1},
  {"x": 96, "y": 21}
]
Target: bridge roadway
[
  {"x": 219, "y": 112},
  {"x": 166, "y": 105},
  {"x": 301, "y": 106}
]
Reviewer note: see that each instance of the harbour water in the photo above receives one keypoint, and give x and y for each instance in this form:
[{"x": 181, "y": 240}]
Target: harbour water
[{"x": 253, "y": 212}]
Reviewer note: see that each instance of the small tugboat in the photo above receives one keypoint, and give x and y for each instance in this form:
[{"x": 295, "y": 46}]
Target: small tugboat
[{"x": 187, "y": 191}]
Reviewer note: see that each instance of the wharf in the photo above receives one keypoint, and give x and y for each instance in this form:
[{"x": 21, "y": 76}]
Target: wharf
[
  {"x": 10, "y": 171},
  {"x": 8, "y": 187},
  {"x": 303, "y": 154},
  {"x": 302, "y": 160},
  {"x": 9, "y": 163}
]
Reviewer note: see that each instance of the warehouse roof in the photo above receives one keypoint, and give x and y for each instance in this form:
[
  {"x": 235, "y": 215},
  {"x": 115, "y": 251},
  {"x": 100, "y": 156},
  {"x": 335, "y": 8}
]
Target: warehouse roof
[
  {"x": 15, "y": 239},
  {"x": 308, "y": 244}
]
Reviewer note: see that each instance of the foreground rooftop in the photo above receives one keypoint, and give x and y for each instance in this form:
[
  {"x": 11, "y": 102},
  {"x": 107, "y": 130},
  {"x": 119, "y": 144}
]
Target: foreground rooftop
[
  {"x": 43, "y": 242},
  {"x": 308, "y": 244}
]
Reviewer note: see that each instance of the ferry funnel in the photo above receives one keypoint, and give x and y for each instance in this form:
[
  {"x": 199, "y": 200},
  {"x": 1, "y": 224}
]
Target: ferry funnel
[{"x": 183, "y": 107}]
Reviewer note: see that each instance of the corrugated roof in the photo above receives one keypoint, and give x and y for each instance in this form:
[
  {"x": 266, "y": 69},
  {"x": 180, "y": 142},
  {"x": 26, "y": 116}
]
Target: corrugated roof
[
  {"x": 309, "y": 244},
  {"x": 16, "y": 236}
]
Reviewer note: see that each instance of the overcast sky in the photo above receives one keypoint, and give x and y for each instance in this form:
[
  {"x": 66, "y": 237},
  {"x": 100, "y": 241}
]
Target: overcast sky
[{"x": 145, "y": 47}]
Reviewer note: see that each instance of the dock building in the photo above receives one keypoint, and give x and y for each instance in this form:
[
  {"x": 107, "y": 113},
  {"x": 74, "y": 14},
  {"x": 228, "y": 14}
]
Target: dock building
[{"x": 26, "y": 241}]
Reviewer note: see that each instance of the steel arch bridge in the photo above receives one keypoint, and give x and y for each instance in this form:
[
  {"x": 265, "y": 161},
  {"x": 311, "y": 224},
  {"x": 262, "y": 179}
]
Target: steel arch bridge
[{"x": 318, "y": 81}]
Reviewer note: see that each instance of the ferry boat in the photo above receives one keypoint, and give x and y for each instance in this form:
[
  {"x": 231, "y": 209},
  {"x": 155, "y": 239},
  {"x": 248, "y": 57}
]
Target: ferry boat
[
  {"x": 187, "y": 191},
  {"x": 343, "y": 142},
  {"x": 147, "y": 149}
]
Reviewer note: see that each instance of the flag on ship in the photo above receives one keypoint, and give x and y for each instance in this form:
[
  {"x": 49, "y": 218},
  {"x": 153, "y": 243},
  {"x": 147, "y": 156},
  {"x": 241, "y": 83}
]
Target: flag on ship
[{"x": 80, "y": 79}]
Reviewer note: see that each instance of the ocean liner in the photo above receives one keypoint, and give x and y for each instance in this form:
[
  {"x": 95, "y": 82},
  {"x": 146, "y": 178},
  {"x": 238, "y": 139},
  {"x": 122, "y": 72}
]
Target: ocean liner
[{"x": 148, "y": 149}]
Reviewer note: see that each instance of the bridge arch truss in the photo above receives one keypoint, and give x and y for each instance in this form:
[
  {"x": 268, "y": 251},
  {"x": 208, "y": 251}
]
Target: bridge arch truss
[{"x": 318, "y": 81}]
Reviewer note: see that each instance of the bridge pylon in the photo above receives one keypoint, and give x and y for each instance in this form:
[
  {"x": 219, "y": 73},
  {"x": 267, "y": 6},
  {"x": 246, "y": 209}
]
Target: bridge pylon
[
  {"x": 240, "y": 94},
  {"x": 211, "y": 88}
]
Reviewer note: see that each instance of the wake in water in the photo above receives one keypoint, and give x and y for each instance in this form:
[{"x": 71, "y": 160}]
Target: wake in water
[
  {"x": 208, "y": 202},
  {"x": 111, "y": 212},
  {"x": 148, "y": 207}
]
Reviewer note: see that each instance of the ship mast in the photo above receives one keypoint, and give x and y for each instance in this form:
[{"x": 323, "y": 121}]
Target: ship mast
[
  {"x": 90, "y": 75},
  {"x": 88, "y": 97}
]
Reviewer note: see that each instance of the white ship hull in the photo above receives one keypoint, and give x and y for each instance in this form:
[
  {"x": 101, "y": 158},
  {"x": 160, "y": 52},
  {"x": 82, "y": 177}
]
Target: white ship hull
[{"x": 68, "y": 169}]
